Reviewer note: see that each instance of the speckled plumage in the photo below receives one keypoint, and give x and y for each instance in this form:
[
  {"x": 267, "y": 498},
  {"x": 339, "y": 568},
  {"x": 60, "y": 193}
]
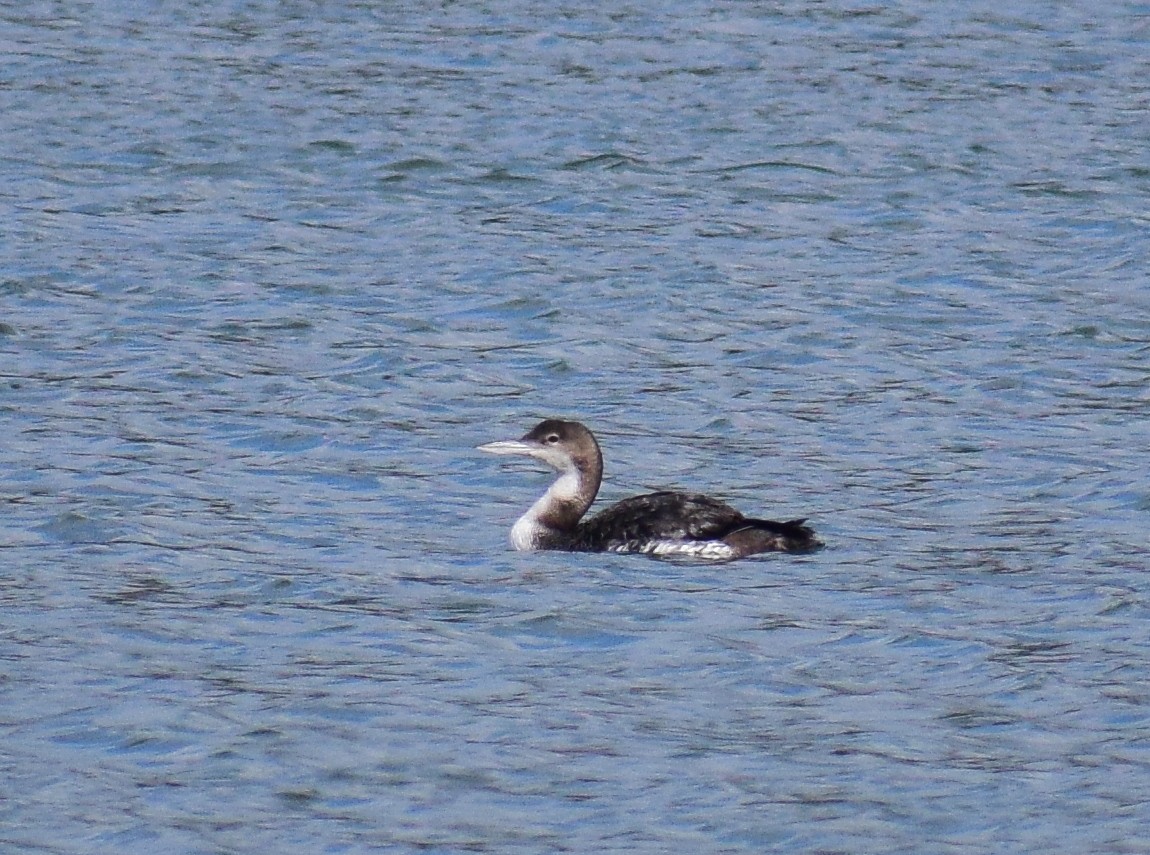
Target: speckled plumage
[{"x": 662, "y": 523}]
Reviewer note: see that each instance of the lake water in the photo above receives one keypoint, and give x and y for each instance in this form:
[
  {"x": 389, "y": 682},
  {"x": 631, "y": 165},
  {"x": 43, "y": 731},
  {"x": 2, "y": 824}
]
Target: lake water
[{"x": 270, "y": 271}]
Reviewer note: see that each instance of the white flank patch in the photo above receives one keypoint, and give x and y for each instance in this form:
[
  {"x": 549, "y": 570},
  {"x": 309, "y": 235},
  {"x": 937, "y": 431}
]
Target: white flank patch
[{"x": 713, "y": 549}]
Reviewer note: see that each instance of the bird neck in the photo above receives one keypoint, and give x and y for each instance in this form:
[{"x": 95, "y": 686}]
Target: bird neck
[{"x": 555, "y": 516}]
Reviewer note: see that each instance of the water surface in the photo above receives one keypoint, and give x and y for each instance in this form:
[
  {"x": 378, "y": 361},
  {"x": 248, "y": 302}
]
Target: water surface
[{"x": 271, "y": 271}]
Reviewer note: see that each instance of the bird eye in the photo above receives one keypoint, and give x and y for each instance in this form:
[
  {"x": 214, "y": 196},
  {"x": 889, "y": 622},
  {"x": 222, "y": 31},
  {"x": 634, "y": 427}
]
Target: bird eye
[{"x": 552, "y": 438}]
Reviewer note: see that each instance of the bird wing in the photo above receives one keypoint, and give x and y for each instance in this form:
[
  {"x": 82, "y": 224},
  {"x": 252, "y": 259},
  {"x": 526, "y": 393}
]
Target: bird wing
[{"x": 660, "y": 516}]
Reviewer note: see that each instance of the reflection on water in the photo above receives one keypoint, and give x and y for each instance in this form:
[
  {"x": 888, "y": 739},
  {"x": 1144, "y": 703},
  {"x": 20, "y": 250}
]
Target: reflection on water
[{"x": 272, "y": 274}]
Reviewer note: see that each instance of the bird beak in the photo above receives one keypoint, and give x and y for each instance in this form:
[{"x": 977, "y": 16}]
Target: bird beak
[{"x": 508, "y": 446}]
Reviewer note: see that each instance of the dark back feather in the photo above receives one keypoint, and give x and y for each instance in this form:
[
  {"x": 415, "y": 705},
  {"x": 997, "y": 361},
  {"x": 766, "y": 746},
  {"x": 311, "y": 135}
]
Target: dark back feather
[{"x": 664, "y": 515}]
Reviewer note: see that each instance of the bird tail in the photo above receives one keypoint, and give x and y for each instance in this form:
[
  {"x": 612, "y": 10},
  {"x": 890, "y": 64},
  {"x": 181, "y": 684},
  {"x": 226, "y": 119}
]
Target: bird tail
[{"x": 771, "y": 536}]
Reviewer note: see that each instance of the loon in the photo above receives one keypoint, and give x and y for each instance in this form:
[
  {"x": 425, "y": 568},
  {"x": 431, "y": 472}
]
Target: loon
[{"x": 663, "y": 523}]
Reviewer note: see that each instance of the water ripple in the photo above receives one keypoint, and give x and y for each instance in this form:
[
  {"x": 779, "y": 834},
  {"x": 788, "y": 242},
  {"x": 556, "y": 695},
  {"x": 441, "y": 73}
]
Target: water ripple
[{"x": 270, "y": 276}]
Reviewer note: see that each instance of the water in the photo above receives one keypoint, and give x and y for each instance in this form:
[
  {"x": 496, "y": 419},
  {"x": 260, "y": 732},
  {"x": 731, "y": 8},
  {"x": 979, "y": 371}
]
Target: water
[{"x": 271, "y": 271}]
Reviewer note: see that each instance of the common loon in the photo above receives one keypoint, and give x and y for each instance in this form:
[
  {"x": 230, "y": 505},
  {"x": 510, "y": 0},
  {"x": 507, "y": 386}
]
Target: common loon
[{"x": 663, "y": 523}]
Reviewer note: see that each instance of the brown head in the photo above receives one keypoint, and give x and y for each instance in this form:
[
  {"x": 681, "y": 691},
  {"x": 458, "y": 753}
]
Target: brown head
[
  {"x": 571, "y": 449},
  {"x": 561, "y": 445}
]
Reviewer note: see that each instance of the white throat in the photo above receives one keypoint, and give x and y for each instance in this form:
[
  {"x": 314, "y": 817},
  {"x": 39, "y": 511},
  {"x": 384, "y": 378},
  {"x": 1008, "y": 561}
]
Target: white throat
[{"x": 529, "y": 531}]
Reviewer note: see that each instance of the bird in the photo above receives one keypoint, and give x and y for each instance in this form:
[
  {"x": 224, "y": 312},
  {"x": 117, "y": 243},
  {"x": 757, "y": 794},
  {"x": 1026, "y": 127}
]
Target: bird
[{"x": 664, "y": 523}]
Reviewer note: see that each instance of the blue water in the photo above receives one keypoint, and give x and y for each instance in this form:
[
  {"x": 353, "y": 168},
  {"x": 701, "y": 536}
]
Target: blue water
[{"x": 270, "y": 271}]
